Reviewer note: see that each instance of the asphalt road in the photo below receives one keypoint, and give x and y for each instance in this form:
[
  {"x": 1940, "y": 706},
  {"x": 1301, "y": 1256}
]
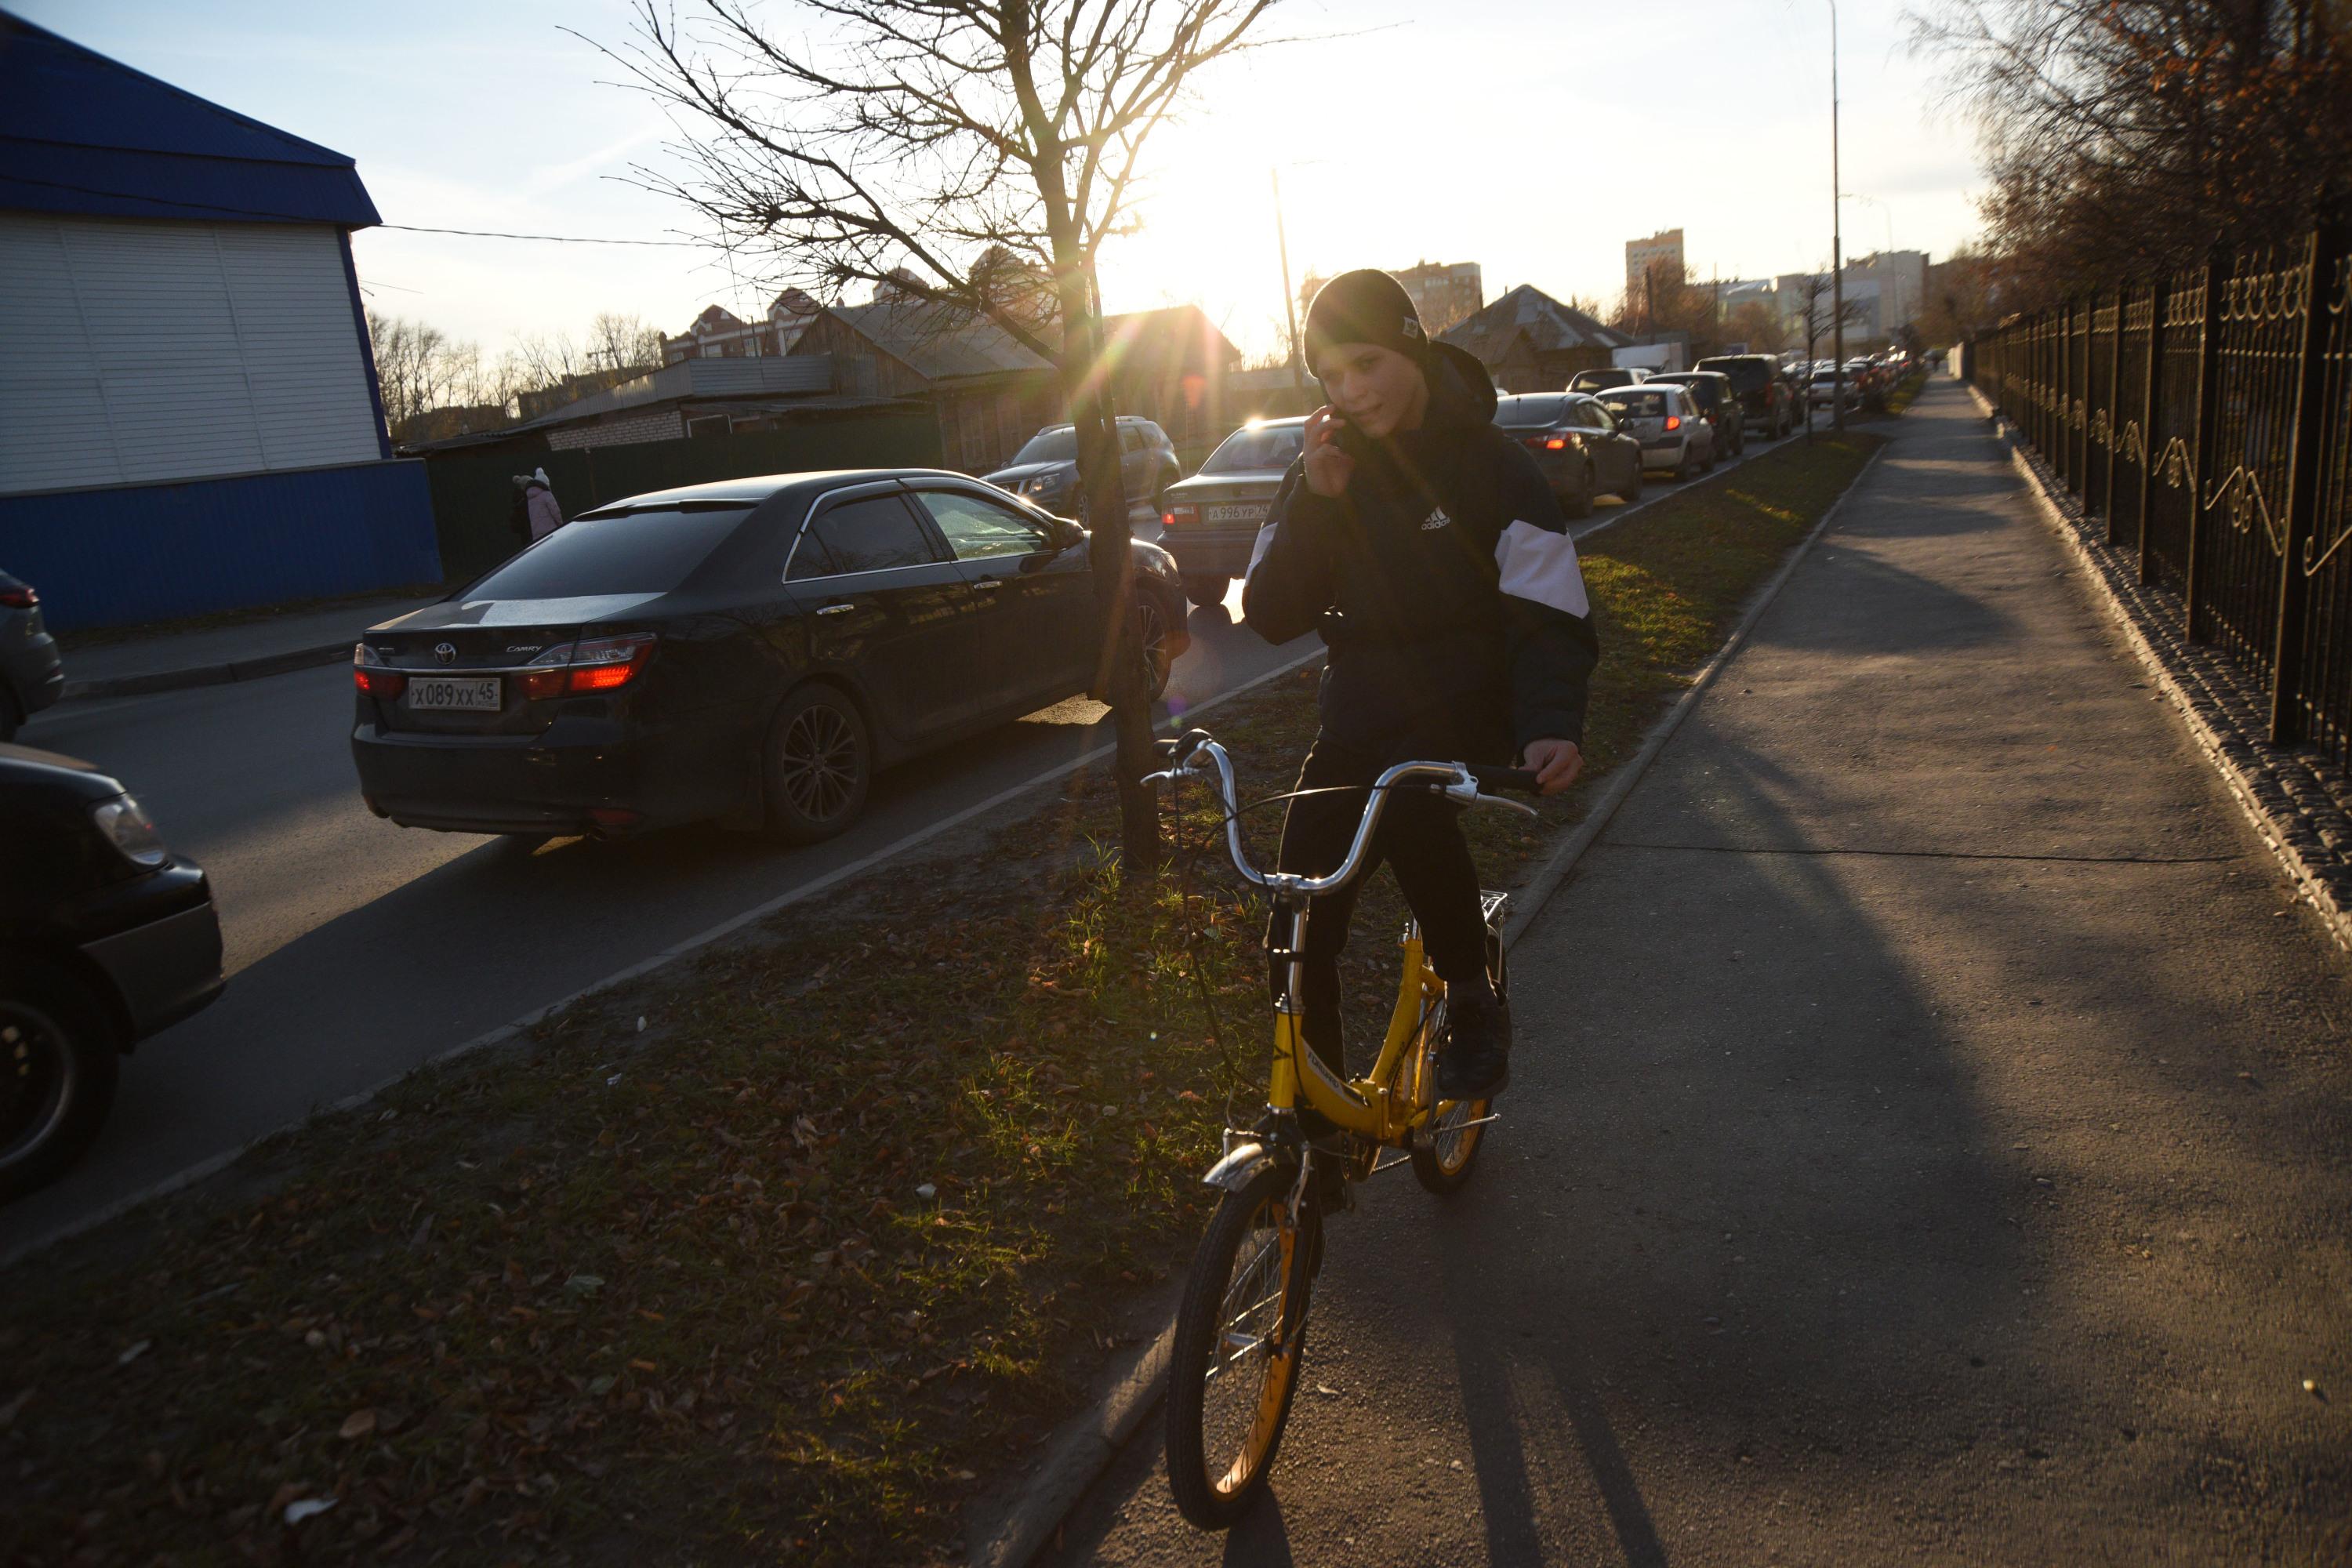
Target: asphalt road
[
  {"x": 1926, "y": 1145},
  {"x": 357, "y": 949}
]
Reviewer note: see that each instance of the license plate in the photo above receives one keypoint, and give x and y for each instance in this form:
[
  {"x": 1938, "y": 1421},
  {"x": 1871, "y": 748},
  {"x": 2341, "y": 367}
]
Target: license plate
[
  {"x": 1237, "y": 512},
  {"x": 478, "y": 694}
]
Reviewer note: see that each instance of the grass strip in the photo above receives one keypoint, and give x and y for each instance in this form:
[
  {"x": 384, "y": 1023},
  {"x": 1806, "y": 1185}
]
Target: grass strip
[{"x": 779, "y": 1254}]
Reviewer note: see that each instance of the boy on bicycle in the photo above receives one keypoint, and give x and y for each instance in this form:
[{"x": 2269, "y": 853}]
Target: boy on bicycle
[{"x": 1426, "y": 546}]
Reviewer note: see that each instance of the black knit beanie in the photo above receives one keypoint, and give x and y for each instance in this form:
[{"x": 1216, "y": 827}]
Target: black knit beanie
[{"x": 1365, "y": 306}]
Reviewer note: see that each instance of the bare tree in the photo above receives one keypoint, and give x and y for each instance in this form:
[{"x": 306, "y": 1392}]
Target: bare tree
[
  {"x": 903, "y": 141},
  {"x": 1816, "y": 297},
  {"x": 617, "y": 342},
  {"x": 545, "y": 359},
  {"x": 2126, "y": 137}
]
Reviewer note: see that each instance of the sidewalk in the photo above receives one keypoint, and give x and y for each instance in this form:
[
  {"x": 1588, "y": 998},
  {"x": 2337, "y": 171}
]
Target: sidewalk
[
  {"x": 1926, "y": 1146},
  {"x": 217, "y": 655}
]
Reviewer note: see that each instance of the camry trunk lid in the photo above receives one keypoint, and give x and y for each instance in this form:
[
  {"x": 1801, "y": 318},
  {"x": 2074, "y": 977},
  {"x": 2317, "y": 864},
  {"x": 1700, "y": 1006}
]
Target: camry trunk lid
[{"x": 458, "y": 659}]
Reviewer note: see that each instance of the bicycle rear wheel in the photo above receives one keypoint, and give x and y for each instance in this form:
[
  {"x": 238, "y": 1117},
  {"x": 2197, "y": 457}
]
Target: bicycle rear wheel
[{"x": 1234, "y": 1367}]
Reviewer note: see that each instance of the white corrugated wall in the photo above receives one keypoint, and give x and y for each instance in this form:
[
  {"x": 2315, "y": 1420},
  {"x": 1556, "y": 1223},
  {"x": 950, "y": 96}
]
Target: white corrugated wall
[{"x": 132, "y": 351}]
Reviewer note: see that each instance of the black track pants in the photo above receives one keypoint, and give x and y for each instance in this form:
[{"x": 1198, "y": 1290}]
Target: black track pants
[{"x": 1419, "y": 837}]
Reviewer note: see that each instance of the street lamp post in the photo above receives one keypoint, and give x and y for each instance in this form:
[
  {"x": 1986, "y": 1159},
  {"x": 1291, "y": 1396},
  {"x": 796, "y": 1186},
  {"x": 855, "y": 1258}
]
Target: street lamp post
[{"x": 1837, "y": 247}]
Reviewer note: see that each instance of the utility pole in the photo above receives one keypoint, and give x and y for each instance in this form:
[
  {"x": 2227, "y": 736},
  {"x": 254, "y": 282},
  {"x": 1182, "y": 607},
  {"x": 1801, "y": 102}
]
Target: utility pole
[
  {"x": 1289, "y": 303},
  {"x": 1837, "y": 247}
]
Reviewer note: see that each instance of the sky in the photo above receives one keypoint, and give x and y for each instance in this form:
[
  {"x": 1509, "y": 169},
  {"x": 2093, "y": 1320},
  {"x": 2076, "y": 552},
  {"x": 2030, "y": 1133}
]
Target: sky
[{"x": 1533, "y": 137}]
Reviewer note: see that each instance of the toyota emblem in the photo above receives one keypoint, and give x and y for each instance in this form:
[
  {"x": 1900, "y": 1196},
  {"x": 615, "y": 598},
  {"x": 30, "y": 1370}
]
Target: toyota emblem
[{"x": 445, "y": 652}]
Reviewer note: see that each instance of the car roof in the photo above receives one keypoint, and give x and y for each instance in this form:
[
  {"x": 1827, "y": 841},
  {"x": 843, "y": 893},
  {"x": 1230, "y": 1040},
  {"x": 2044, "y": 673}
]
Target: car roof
[
  {"x": 754, "y": 488},
  {"x": 1270, "y": 423}
]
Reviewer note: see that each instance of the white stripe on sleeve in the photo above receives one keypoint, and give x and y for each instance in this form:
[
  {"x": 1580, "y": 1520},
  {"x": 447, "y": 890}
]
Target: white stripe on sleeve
[
  {"x": 1539, "y": 566},
  {"x": 1257, "y": 551}
]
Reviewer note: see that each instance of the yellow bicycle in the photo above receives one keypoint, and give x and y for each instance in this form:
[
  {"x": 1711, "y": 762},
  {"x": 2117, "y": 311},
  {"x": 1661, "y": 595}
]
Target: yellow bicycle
[{"x": 1233, "y": 1366}]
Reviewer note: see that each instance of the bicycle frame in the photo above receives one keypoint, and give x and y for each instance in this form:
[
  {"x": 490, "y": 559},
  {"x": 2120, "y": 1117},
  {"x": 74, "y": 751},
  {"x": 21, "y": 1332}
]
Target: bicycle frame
[{"x": 1387, "y": 1104}]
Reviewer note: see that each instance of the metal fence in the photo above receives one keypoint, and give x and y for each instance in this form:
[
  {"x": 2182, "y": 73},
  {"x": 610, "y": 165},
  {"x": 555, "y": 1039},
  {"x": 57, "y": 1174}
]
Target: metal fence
[{"x": 2207, "y": 418}]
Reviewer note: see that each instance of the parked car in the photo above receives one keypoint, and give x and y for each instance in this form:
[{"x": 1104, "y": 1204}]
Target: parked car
[
  {"x": 1711, "y": 390},
  {"x": 750, "y": 651},
  {"x": 105, "y": 937},
  {"x": 1210, "y": 523},
  {"x": 1823, "y": 391},
  {"x": 1674, "y": 435},
  {"x": 1576, "y": 441},
  {"x": 1045, "y": 470},
  {"x": 1767, "y": 400},
  {"x": 1602, "y": 379},
  {"x": 31, "y": 674}
]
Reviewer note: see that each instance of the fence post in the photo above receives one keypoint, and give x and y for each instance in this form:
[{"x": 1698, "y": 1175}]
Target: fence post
[
  {"x": 2203, "y": 441},
  {"x": 2115, "y": 402},
  {"x": 2303, "y": 481},
  {"x": 2081, "y": 412},
  {"x": 2159, "y": 301},
  {"x": 2062, "y": 449}
]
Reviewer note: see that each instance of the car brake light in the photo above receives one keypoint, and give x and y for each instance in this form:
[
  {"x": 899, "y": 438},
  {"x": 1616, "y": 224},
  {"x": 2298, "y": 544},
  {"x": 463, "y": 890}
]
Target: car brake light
[
  {"x": 373, "y": 679},
  {"x": 608, "y": 664},
  {"x": 1559, "y": 443},
  {"x": 1180, "y": 513},
  {"x": 1673, "y": 421},
  {"x": 19, "y": 598}
]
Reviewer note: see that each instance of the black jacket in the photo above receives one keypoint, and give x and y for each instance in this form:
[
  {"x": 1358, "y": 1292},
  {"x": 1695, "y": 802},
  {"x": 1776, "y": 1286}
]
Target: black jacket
[{"x": 1444, "y": 580}]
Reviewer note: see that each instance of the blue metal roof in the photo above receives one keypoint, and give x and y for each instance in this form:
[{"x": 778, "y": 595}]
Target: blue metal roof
[{"x": 81, "y": 133}]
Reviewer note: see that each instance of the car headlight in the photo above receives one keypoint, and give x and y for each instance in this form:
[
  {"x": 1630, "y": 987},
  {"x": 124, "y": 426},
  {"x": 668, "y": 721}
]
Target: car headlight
[{"x": 127, "y": 827}]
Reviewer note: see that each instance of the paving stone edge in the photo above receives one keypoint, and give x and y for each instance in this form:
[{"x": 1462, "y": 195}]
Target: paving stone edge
[
  {"x": 2249, "y": 782},
  {"x": 218, "y": 674}
]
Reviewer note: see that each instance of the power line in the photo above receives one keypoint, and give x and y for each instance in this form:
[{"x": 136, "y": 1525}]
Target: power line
[
  {"x": 12, "y": 178},
  {"x": 551, "y": 238}
]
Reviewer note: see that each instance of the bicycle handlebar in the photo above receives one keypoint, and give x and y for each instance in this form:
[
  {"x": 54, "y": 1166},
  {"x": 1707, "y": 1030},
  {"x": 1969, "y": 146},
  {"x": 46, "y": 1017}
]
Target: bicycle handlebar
[{"x": 1458, "y": 782}]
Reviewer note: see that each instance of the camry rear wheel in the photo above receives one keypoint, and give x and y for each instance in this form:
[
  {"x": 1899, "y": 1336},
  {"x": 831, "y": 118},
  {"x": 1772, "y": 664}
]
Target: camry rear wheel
[
  {"x": 58, "y": 1064},
  {"x": 1580, "y": 503},
  {"x": 1153, "y": 636},
  {"x": 1206, "y": 590},
  {"x": 820, "y": 761}
]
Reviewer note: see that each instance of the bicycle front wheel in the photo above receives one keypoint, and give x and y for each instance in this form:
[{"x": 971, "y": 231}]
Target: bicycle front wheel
[{"x": 1234, "y": 1368}]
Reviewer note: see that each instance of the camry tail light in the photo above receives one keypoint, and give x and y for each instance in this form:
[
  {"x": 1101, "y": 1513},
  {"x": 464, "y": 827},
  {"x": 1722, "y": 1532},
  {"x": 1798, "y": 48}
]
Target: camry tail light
[
  {"x": 1559, "y": 442},
  {"x": 601, "y": 664},
  {"x": 21, "y": 597},
  {"x": 373, "y": 679}
]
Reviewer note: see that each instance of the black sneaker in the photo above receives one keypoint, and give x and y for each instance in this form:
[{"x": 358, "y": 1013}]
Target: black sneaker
[{"x": 1476, "y": 1061}]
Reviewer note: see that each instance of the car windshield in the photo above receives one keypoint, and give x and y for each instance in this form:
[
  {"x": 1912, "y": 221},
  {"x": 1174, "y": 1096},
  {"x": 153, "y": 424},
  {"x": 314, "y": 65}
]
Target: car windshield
[
  {"x": 1058, "y": 444},
  {"x": 1260, "y": 446},
  {"x": 1637, "y": 404},
  {"x": 1746, "y": 375},
  {"x": 649, "y": 551},
  {"x": 1531, "y": 408}
]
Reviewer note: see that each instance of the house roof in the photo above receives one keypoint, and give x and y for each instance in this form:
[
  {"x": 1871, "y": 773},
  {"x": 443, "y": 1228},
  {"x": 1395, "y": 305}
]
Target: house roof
[
  {"x": 766, "y": 375},
  {"x": 940, "y": 342},
  {"x": 85, "y": 134},
  {"x": 1547, "y": 325}
]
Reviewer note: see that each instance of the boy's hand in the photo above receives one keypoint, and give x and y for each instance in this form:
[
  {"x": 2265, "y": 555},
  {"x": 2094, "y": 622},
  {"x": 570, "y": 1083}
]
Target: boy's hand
[
  {"x": 1555, "y": 763},
  {"x": 1327, "y": 468}
]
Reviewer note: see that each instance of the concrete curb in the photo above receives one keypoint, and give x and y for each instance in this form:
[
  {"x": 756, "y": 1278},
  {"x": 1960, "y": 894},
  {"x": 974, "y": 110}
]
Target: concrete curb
[
  {"x": 221, "y": 674},
  {"x": 1086, "y": 1446},
  {"x": 2308, "y": 884}
]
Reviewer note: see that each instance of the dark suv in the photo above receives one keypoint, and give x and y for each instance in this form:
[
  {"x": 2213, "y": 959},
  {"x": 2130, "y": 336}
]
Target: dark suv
[
  {"x": 1763, "y": 393},
  {"x": 1045, "y": 470},
  {"x": 105, "y": 937}
]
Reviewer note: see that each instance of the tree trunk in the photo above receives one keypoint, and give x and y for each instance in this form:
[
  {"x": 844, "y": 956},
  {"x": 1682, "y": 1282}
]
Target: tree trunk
[{"x": 1119, "y": 672}]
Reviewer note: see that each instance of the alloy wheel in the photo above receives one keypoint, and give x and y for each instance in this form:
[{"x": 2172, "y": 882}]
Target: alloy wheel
[
  {"x": 1151, "y": 636},
  {"x": 818, "y": 763},
  {"x": 37, "y": 1082}
]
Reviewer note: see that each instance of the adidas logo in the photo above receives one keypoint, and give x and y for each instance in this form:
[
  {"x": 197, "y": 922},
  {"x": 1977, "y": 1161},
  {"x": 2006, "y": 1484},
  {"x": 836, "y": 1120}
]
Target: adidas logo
[{"x": 1436, "y": 519}]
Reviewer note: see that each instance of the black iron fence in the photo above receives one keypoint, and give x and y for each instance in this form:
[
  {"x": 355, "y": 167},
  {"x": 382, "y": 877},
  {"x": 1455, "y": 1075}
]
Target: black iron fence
[{"x": 2207, "y": 418}]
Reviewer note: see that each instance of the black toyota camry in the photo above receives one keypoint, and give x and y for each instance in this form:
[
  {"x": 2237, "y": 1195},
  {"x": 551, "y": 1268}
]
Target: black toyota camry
[{"x": 749, "y": 651}]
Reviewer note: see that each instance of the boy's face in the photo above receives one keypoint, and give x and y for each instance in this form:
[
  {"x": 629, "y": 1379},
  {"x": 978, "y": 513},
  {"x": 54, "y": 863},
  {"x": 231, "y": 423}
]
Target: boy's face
[{"x": 1379, "y": 391}]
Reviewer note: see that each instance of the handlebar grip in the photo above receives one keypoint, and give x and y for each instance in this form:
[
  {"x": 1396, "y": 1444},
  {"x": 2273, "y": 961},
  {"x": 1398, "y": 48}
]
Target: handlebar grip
[
  {"x": 1491, "y": 778},
  {"x": 1177, "y": 751}
]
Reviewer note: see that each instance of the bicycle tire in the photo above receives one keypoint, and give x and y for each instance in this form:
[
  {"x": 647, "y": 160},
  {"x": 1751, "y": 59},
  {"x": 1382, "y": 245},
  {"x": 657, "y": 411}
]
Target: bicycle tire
[
  {"x": 1213, "y": 1493},
  {"x": 1443, "y": 1160}
]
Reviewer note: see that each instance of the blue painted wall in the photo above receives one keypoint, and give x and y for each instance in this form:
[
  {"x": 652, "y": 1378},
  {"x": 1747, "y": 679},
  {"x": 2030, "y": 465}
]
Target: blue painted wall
[{"x": 146, "y": 552}]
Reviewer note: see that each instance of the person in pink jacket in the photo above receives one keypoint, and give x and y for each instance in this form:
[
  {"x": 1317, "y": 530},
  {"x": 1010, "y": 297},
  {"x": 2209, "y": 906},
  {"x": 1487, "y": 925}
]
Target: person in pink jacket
[{"x": 539, "y": 502}]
